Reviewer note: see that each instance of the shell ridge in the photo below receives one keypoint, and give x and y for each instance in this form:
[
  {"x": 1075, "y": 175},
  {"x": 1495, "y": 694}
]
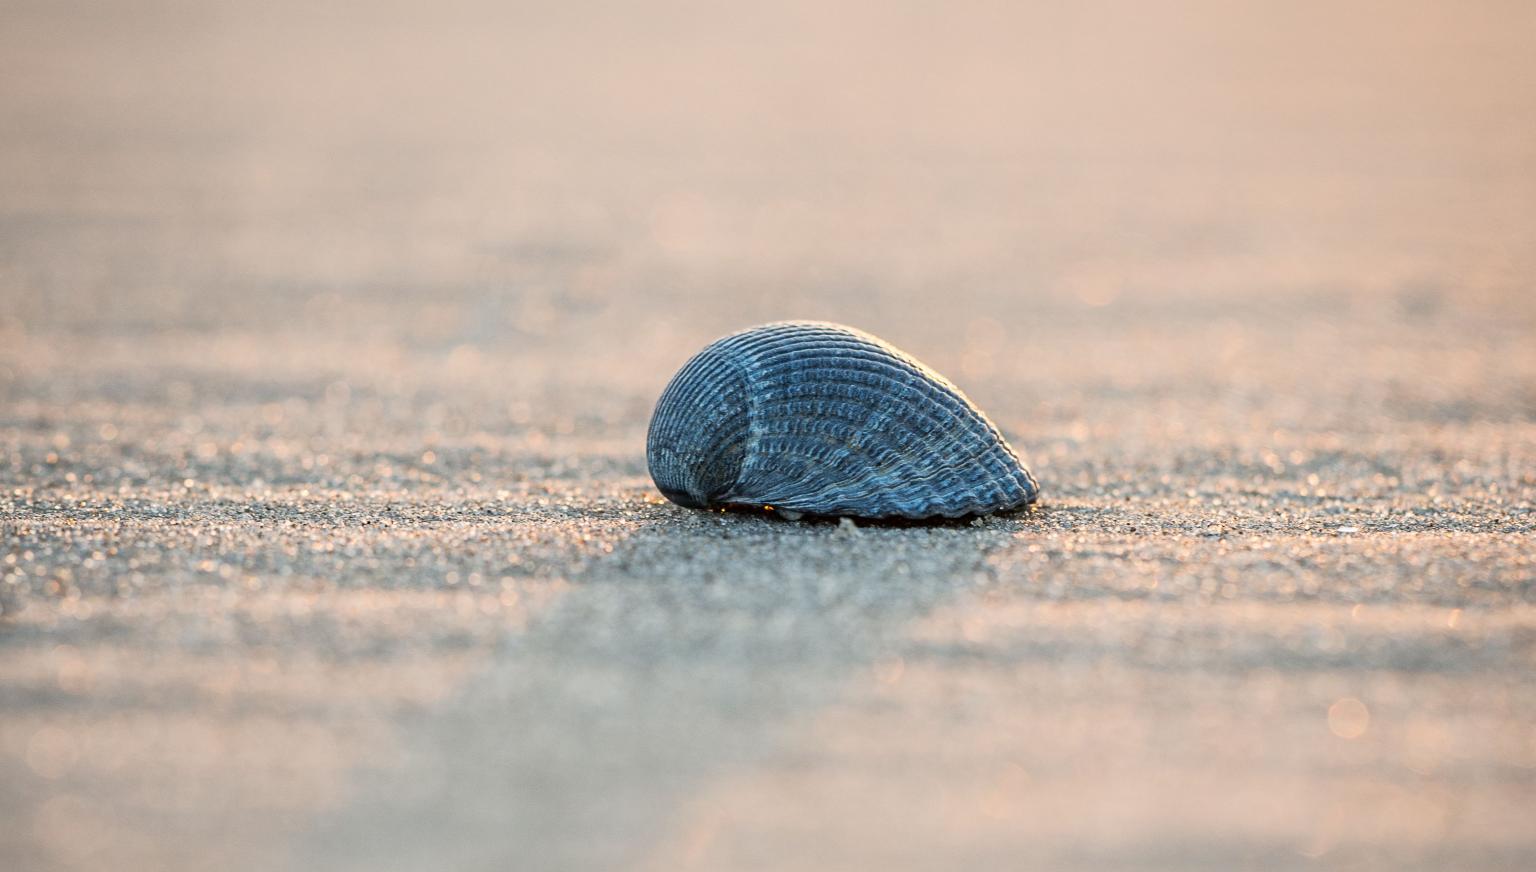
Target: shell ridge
[
  {"x": 974, "y": 449},
  {"x": 983, "y": 439},
  {"x": 711, "y": 382}
]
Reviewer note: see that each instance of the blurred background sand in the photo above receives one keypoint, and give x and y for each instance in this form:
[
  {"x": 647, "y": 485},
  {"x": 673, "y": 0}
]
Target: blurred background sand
[{"x": 329, "y": 333}]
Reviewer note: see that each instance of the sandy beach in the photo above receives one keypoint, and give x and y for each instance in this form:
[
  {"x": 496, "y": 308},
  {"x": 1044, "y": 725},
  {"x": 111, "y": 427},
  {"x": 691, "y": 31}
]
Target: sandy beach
[{"x": 329, "y": 334}]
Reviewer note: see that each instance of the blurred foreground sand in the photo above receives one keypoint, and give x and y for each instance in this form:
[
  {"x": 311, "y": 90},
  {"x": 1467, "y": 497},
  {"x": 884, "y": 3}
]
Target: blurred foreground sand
[{"x": 329, "y": 333}]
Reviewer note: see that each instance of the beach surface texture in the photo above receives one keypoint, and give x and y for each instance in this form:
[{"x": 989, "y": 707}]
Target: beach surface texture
[{"x": 329, "y": 335}]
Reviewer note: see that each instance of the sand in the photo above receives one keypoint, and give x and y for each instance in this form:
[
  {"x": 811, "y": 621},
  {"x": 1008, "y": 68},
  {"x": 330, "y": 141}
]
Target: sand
[{"x": 329, "y": 335}]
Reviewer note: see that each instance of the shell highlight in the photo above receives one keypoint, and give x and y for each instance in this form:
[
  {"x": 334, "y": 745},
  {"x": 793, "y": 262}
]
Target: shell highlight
[{"x": 820, "y": 419}]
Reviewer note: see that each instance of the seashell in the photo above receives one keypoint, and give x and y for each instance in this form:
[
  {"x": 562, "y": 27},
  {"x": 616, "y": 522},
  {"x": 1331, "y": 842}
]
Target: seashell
[{"x": 811, "y": 418}]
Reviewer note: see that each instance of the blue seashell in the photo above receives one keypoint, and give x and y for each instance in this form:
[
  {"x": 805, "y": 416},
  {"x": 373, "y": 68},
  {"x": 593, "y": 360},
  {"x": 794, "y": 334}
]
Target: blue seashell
[{"x": 815, "y": 418}]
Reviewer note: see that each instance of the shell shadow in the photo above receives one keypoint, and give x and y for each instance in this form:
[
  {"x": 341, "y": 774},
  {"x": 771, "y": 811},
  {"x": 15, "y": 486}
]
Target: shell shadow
[
  {"x": 689, "y": 644},
  {"x": 1023, "y": 514}
]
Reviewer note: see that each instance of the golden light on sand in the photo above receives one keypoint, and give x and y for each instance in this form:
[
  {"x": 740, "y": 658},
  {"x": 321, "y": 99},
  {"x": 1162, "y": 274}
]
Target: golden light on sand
[
  {"x": 52, "y": 752},
  {"x": 889, "y": 670},
  {"x": 328, "y": 537},
  {"x": 1348, "y": 718}
]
